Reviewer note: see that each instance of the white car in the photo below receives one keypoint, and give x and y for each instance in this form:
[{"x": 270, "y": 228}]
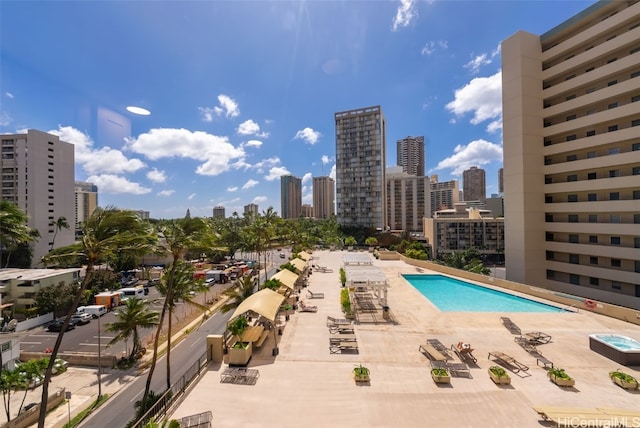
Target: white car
[{"x": 81, "y": 318}]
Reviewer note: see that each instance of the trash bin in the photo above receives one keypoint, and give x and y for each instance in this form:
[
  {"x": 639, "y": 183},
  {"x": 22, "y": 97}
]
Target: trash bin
[{"x": 385, "y": 312}]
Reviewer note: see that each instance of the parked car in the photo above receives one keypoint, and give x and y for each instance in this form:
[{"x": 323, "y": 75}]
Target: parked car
[
  {"x": 59, "y": 366},
  {"x": 282, "y": 256},
  {"x": 56, "y": 325},
  {"x": 81, "y": 318}
]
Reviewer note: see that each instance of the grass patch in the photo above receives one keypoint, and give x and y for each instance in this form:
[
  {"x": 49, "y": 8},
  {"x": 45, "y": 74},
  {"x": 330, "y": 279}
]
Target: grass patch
[{"x": 86, "y": 412}]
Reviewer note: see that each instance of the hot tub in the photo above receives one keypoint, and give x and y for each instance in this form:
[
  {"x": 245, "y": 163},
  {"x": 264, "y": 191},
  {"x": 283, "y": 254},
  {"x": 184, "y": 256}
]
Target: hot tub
[{"x": 621, "y": 349}]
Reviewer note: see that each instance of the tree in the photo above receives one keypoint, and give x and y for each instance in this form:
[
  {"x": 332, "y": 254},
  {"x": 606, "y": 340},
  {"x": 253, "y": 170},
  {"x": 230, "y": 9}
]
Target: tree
[
  {"x": 106, "y": 232},
  {"x": 371, "y": 241},
  {"x": 350, "y": 241},
  {"x": 56, "y": 298},
  {"x": 61, "y": 223},
  {"x": 245, "y": 287},
  {"x": 14, "y": 230},
  {"x": 135, "y": 313},
  {"x": 272, "y": 284}
]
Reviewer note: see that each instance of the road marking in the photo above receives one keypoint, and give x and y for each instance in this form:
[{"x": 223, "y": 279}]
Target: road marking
[
  {"x": 103, "y": 337},
  {"x": 41, "y": 335},
  {"x": 136, "y": 396},
  {"x": 93, "y": 344},
  {"x": 31, "y": 343},
  {"x": 198, "y": 340}
]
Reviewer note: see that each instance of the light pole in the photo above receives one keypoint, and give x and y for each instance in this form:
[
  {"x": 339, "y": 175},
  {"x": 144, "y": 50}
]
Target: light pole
[{"x": 99, "y": 362}]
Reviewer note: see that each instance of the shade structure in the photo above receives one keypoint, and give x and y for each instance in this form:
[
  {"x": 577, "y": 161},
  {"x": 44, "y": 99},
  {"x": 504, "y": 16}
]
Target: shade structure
[
  {"x": 286, "y": 277},
  {"x": 304, "y": 256},
  {"x": 265, "y": 302},
  {"x": 298, "y": 264}
]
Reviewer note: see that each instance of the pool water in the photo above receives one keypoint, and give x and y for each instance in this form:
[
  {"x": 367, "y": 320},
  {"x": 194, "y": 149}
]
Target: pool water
[
  {"x": 619, "y": 342},
  {"x": 453, "y": 295}
]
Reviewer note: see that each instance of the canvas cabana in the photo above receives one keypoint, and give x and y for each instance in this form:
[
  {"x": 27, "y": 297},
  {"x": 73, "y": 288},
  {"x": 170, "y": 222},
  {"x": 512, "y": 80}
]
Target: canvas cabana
[
  {"x": 287, "y": 278},
  {"x": 299, "y": 264},
  {"x": 304, "y": 256}
]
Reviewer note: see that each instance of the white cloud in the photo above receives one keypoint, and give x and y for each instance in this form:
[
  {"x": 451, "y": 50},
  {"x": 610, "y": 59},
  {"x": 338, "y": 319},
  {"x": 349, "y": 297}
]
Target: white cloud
[
  {"x": 191, "y": 196},
  {"x": 253, "y": 143},
  {"x": 248, "y": 127},
  {"x": 276, "y": 172},
  {"x": 404, "y": 15},
  {"x": 8, "y": 95},
  {"x": 166, "y": 193},
  {"x": 215, "y": 152},
  {"x": 5, "y": 119},
  {"x": 259, "y": 199},
  {"x": 307, "y": 178},
  {"x": 476, "y": 153},
  {"x": 332, "y": 174},
  {"x": 228, "y": 106},
  {"x": 307, "y": 195},
  {"x": 249, "y": 184},
  {"x": 431, "y": 46},
  {"x": 482, "y": 96},
  {"x": 232, "y": 188},
  {"x": 308, "y": 135},
  {"x": 325, "y": 159},
  {"x": 482, "y": 59},
  {"x": 109, "y": 183},
  {"x": 261, "y": 166},
  {"x": 96, "y": 161},
  {"x": 156, "y": 176}
]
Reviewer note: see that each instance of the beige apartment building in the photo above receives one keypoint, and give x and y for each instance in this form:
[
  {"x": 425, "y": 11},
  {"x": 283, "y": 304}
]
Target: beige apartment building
[
  {"x": 444, "y": 194},
  {"x": 474, "y": 184},
  {"x": 361, "y": 141},
  {"x": 410, "y": 155},
  {"x": 290, "y": 196},
  {"x": 86, "y": 202},
  {"x": 38, "y": 176},
  {"x": 324, "y": 190},
  {"x": 408, "y": 200},
  {"x": 571, "y": 119}
]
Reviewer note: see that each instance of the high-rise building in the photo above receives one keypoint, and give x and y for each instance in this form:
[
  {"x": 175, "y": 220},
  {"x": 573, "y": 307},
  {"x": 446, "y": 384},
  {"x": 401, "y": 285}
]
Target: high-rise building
[
  {"x": 410, "y": 155},
  {"x": 324, "y": 197},
  {"x": 38, "y": 176},
  {"x": 219, "y": 212},
  {"x": 250, "y": 209},
  {"x": 443, "y": 194},
  {"x": 86, "y": 195},
  {"x": 360, "y": 167},
  {"x": 474, "y": 186},
  {"x": 408, "y": 200},
  {"x": 290, "y": 196},
  {"x": 501, "y": 180},
  {"x": 307, "y": 211},
  {"x": 571, "y": 120}
]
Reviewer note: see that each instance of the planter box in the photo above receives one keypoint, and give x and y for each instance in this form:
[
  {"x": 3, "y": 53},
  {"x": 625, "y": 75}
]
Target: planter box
[
  {"x": 240, "y": 356},
  {"x": 624, "y": 384},
  {"x": 562, "y": 382},
  {"x": 441, "y": 379},
  {"x": 365, "y": 378},
  {"x": 504, "y": 380}
]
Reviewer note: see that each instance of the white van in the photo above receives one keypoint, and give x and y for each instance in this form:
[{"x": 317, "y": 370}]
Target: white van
[
  {"x": 132, "y": 293},
  {"x": 94, "y": 310}
]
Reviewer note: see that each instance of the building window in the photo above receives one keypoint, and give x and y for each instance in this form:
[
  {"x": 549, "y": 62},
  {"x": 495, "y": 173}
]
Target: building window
[
  {"x": 593, "y": 260},
  {"x": 614, "y": 196},
  {"x": 574, "y": 279},
  {"x": 548, "y": 180},
  {"x": 616, "y": 285},
  {"x": 572, "y": 198},
  {"x": 615, "y": 240},
  {"x": 573, "y": 238},
  {"x": 551, "y": 274},
  {"x": 570, "y": 97},
  {"x": 569, "y": 77},
  {"x": 550, "y": 255},
  {"x": 616, "y": 263},
  {"x": 549, "y": 236},
  {"x": 612, "y": 128},
  {"x": 636, "y": 194},
  {"x": 574, "y": 259},
  {"x": 593, "y": 218},
  {"x": 614, "y": 218},
  {"x": 594, "y": 281},
  {"x": 636, "y": 219},
  {"x": 592, "y": 176},
  {"x": 589, "y": 69},
  {"x": 593, "y": 239},
  {"x": 614, "y": 173},
  {"x": 572, "y": 177},
  {"x": 571, "y": 117},
  {"x": 572, "y": 158},
  {"x": 612, "y": 105},
  {"x": 636, "y": 242},
  {"x": 635, "y": 74},
  {"x": 573, "y": 218},
  {"x": 548, "y": 199},
  {"x": 635, "y": 122},
  {"x": 637, "y": 266},
  {"x": 635, "y": 170},
  {"x": 635, "y": 98},
  {"x": 591, "y": 133},
  {"x": 571, "y": 137},
  {"x": 592, "y": 197},
  {"x": 548, "y": 218},
  {"x": 613, "y": 82},
  {"x": 635, "y": 147}
]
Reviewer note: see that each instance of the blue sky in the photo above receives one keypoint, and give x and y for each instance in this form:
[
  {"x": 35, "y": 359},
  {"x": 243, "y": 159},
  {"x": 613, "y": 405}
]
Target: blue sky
[{"x": 242, "y": 92}]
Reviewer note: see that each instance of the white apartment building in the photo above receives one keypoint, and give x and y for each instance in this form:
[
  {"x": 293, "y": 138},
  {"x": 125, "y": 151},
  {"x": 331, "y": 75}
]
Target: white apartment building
[
  {"x": 360, "y": 168},
  {"x": 38, "y": 176},
  {"x": 571, "y": 124},
  {"x": 408, "y": 200}
]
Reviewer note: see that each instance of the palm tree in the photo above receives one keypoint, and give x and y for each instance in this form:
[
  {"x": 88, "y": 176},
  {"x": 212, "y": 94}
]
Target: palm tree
[
  {"x": 134, "y": 314},
  {"x": 184, "y": 288},
  {"x": 59, "y": 224},
  {"x": 13, "y": 228},
  {"x": 106, "y": 232},
  {"x": 245, "y": 287}
]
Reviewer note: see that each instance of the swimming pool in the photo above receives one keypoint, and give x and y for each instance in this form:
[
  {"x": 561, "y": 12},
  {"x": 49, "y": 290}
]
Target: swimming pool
[{"x": 453, "y": 295}]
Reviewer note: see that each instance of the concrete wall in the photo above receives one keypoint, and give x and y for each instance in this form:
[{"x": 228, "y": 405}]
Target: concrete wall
[
  {"x": 75, "y": 358},
  {"x": 34, "y": 322},
  {"x": 30, "y": 417}
]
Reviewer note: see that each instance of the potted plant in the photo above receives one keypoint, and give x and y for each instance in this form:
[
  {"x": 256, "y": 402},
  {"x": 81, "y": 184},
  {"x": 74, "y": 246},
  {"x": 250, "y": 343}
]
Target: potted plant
[
  {"x": 623, "y": 379},
  {"x": 440, "y": 375},
  {"x": 560, "y": 378},
  {"x": 286, "y": 307},
  {"x": 361, "y": 373},
  {"x": 240, "y": 352},
  {"x": 345, "y": 303},
  {"x": 499, "y": 376},
  {"x": 343, "y": 277}
]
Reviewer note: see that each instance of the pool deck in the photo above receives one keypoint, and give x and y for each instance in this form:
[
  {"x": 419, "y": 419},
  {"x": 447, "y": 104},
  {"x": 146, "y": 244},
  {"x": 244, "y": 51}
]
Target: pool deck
[{"x": 307, "y": 385}]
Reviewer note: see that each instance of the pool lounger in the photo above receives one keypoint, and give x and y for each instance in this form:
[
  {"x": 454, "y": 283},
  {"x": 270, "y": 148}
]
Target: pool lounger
[
  {"x": 456, "y": 369},
  {"x": 513, "y": 364}
]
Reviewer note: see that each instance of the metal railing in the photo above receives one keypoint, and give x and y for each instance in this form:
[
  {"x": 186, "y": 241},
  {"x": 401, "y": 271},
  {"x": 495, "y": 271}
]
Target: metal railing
[{"x": 200, "y": 420}]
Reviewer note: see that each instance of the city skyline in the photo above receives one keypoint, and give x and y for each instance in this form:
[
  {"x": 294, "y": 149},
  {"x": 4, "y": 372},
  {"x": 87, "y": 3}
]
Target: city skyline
[{"x": 233, "y": 110}]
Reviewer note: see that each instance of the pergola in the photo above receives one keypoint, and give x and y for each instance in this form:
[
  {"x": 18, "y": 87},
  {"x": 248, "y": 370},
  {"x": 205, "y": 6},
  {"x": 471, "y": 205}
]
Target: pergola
[
  {"x": 357, "y": 259},
  {"x": 368, "y": 276}
]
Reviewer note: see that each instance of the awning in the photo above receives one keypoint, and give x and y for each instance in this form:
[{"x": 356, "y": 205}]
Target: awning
[
  {"x": 286, "y": 277},
  {"x": 304, "y": 256},
  {"x": 298, "y": 264},
  {"x": 265, "y": 302}
]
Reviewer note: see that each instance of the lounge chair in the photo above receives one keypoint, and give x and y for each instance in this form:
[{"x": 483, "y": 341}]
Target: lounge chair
[
  {"x": 440, "y": 347},
  {"x": 341, "y": 329},
  {"x": 511, "y": 326},
  {"x": 538, "y": 337},
  {"x": 331, "y": 321},
  {"x": 508, "y": 361},
  {"x": 526, "y": 343},
  {"x": 464, "y": 352},
  {"x": 303, "y": 307},
  {"x": 456, "y": 369},
  {"x": 432, "y": 353},
  {"x": 313, "y": 295}
]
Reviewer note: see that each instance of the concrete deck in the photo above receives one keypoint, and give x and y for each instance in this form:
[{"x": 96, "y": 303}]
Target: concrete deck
[{"x": 306, "y": 385}]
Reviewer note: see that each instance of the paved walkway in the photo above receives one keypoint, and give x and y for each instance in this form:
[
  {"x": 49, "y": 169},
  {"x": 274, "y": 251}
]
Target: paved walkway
[{"x": 307, "y": 385}]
